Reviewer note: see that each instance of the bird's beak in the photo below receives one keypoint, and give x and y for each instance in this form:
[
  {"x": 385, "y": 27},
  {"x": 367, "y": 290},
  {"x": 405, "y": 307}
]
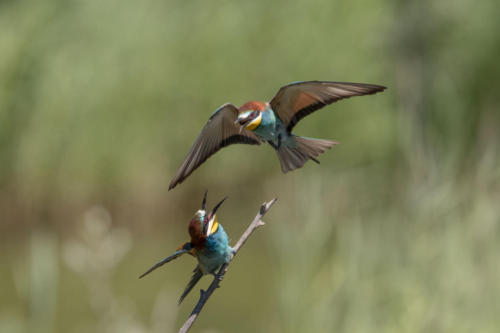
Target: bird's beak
[
  {"x": 242, "y": 121},
  {"x": 238, "y": 122},
  {"x": 217, "y": 206},
  {"x": 204, "y": 202}
]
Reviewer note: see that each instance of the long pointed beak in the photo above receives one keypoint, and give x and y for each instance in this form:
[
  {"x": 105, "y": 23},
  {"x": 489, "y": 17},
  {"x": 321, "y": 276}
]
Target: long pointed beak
[
  {"x": 238, "y": 122},
  {"x": 164, "y": 261},
  {"x": 204, "y": 202},
  {"x": 217, "y": 206},
  {"x": 242, "y": 120}
]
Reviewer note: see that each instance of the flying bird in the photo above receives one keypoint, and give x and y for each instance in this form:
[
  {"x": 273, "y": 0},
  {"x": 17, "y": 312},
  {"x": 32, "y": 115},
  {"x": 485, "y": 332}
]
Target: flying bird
[
  {"x": 209, "y": 245},
  {"x": 272, "y": 122}
]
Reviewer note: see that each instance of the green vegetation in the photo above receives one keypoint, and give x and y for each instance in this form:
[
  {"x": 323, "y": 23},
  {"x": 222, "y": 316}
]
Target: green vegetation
[{"x": 396, "y": 231}]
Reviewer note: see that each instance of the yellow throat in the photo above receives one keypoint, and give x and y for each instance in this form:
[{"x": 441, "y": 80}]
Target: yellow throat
[
  {"x": 213, "y": 225},
  {"x": 254, "y": 123}
]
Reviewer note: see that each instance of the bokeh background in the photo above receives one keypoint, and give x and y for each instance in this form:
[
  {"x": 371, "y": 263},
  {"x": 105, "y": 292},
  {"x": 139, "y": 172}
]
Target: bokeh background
[{"x": 396, "y": 231}]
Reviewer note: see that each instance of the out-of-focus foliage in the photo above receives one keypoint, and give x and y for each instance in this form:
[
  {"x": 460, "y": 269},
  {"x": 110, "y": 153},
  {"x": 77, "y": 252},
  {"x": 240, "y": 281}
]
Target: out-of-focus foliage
[{"x": 396, "y": 231}]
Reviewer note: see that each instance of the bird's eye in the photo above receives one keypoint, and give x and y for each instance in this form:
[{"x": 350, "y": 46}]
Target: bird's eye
[{"x": 254, "y": 114}]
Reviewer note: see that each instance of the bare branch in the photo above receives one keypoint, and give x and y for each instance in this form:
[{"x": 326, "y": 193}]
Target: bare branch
[{"x": 204, "y": 295}]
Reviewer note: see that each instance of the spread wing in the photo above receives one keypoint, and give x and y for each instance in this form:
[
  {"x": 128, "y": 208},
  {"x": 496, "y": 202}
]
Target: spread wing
[
  {"x": 220, "y": 131},
  {"x": 297, "y": 100}
]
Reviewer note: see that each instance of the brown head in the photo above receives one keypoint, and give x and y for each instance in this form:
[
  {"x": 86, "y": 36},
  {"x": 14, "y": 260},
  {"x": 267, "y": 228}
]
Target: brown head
[
  {"x": 203, "y": 224},
  {"x": 195, "y": 228},
  {"x": 250, "y": 114},
  {"x": 253, "y": 106}
]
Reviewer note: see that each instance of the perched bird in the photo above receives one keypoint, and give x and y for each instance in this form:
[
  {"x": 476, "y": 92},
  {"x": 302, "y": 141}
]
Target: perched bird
[
  {"x": 209, "y": 244},
  {"x": 256, "y": 122}
]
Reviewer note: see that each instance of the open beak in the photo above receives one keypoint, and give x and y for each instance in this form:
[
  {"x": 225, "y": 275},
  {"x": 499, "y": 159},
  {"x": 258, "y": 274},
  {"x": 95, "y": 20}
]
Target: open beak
[
  {"x": 242, "y": 121},
  {"x": 217, "y": 206},
  {"x": 203, "y": 203}
]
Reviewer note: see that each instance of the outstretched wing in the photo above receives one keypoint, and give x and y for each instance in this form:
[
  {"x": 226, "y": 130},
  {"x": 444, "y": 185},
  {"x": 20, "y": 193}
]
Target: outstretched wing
[
  {"x": 296, "y": 100},
  {"x": 164, "y": 261},
  {"x": 220, "y": 131}
]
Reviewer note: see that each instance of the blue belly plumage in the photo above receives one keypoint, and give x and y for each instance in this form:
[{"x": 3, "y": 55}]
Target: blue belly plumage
[
  {"x": 216, "y": 251},
  {"x": 271, "y": 128}
]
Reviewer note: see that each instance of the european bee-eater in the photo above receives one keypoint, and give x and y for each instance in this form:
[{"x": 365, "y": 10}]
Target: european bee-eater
[
  {"x": 209, "y": 244},
  {"x": 256, "y": 122}
]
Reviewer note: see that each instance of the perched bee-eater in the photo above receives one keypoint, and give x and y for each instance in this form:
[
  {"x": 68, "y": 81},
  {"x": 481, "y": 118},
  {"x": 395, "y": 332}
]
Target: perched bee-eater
[
  {"x": 209, "y": 244},
  {"x": 256, "y": 122}
]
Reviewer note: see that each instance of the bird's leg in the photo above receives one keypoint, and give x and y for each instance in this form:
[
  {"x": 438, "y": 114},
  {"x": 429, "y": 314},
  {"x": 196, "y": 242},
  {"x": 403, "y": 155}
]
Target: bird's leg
[
  {"x": 275, "y": 145},
  {"x": 272, "y": 144}
]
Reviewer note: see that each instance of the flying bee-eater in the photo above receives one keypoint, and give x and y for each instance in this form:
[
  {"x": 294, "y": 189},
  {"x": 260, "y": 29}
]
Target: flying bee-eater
[
  {"x": 209, "y": 245},
  {"x": 256, "y": 122}
]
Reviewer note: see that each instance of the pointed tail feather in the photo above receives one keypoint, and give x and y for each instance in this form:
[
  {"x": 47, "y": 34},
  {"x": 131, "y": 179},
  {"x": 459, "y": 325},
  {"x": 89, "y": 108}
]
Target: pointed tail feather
[
  {"x": 164, "y": 261},
  {"x": 306, "y": 149},
  {"x": 194, "y": 280}
]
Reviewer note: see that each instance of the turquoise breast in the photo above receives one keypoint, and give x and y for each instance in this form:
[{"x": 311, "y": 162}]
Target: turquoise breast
[
  {"x": 271, "y": 127},
  {"x": 267, "y": 128},
  {"x": 216, "y": 251}
]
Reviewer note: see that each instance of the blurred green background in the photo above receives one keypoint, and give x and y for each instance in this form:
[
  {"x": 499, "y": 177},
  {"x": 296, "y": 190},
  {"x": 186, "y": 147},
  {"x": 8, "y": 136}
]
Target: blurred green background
[{"x": 396, "y": 231}]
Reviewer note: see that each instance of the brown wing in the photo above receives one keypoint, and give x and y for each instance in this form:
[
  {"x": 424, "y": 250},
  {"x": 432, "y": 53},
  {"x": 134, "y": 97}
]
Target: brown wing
[
  {"x": 220, "y": 131},
  {"x": 295, "y": 101}
]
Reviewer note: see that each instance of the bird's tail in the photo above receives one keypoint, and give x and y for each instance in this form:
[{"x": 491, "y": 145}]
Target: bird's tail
[
  {"x": 194, "y": 280},
  {"x": 292, "y": 158}
]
